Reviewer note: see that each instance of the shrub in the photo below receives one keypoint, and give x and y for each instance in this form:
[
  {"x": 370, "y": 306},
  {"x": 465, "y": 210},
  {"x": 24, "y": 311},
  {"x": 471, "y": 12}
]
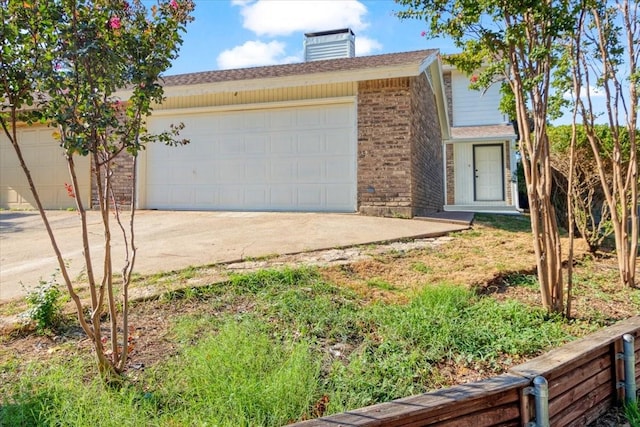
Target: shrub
[{"x": 45, "y": 305}]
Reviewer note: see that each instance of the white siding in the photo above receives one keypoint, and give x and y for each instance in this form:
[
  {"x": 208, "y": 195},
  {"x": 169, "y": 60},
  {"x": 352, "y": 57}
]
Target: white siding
[{"x": 472, "y": 107}]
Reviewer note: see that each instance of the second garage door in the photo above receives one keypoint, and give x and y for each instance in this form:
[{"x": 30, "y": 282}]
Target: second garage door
[
  {"x": 45, "y": 159},
  {"x": 283, "y": 159}
]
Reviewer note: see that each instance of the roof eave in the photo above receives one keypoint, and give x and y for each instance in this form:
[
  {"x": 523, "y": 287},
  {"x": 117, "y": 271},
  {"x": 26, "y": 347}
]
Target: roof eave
[
  {"x": 481, "y": 138},
  {"x": 434, "y": 72},
  {"x": 325, "y": 77}
]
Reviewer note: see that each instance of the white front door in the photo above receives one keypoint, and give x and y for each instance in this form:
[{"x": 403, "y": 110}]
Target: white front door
[{"x": 489, "y": 173}]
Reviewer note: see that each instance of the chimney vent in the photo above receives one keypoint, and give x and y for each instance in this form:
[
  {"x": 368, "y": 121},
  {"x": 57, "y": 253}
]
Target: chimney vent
[{"x": 329, "y": 45}]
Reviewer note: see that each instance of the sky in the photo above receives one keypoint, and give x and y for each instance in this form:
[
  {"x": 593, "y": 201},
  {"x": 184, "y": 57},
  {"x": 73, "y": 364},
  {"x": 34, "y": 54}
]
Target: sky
[
  {"x": 246, "y": 33},
  {"x": 230, "y": 34}
]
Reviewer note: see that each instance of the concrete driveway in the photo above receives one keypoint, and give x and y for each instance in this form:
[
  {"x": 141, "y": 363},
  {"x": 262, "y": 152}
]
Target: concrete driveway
[{"x": 170, "y": 240}]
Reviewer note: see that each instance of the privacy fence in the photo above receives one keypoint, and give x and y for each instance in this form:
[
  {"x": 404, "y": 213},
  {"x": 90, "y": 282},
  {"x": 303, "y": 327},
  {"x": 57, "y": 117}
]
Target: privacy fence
[{"x": 568, "y": 386}]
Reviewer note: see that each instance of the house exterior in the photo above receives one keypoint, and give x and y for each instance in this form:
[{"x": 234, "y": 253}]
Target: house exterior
[
  {"x": 480, "y": 154},
  {"x": 342, "y": 135},
  {"x": 389, "y": 135}
]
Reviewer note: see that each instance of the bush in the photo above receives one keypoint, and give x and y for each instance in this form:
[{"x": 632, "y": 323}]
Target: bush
[{"x": 45, "y": 305}]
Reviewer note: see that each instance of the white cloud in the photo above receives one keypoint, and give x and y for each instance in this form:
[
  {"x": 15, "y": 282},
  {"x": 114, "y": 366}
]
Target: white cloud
[
  {"x": 366, "y": 46},
  {"x": 254, "y": 53},
  {"x": 594, "y": 92},
  {"x": 284, "y": 17}
]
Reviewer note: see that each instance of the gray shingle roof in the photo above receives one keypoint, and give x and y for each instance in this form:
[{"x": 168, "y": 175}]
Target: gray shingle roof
[
  {"x": 490, "y": 131},
  {"x": 329, "y": 65}
]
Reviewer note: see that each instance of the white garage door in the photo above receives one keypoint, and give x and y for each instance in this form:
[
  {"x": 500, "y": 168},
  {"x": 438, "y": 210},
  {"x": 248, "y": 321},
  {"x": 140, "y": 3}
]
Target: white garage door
[
  {"x": 293, "y": 159},
  {"x": 48, "y": 166}
]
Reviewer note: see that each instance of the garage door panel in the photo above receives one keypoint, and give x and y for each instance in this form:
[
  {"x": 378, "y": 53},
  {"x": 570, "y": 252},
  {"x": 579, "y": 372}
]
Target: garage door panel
[
  {"x": 337, "y": 194},
  {"x": 336, "y": 168},
  {"x": 272, "y": 159},
  {"x": 310, "y": 171},
  {"x": 282, "y": 143},
  {"x": 337, "y": 143},
  {"x": 231, "y": 196},
  {"x": 229, "y": 123},
  {"x": 311, "y": 196},
  {"x": 255, "y": 170},
  {"x": 256, "y": 144},
  {"x": 338, "y": 118},
  {"x": 282, "y": 196},
  {"x": 181, "y": 195},
  {"x": 256, "y": 196},
  {"x": 205, "y": 196},
  {"x": 311, "y": 143},
  {"x": 232, "y": 171},
  {"x": 311, "y": 118},
  {"x": 283, "y": 170},
  {"x": 48, "y": 167},
  {"x": 282, "y": 119}
]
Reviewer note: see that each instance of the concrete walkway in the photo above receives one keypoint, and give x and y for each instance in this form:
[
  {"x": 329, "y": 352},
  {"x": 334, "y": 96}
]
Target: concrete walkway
[{"x": 170, "y": 240}]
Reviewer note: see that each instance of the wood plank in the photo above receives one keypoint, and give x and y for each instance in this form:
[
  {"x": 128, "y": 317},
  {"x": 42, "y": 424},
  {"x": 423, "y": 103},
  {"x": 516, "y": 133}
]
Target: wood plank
[
  {"x": 573, "y": 352},
  {"x": 575, "y": 394},
  {"x": 593, "y": 413},
  {"x": 572, "y": 378},
  {"x": 562, "y": 360},
  {"x": 454, "y": 412},
  {"x": 582, "y": 406},
  {"x": 500, "y": 415},
  {"x": 437, "y": 406}
]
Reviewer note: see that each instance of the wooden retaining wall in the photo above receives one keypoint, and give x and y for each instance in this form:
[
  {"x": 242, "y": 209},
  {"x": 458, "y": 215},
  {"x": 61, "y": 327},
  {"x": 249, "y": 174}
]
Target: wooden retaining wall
[{"x": 582, "y": 376}]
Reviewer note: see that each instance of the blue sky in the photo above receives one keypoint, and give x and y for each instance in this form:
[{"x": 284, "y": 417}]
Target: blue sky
[{"x": 246, "y": 33}]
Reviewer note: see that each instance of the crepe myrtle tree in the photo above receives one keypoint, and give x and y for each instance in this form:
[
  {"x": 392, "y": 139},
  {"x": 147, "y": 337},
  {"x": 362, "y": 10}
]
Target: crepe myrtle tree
[
  {"x": 514, "y": 43},
  {"x": 605, "y": 56},
  {"x": 92, "y": 69}
]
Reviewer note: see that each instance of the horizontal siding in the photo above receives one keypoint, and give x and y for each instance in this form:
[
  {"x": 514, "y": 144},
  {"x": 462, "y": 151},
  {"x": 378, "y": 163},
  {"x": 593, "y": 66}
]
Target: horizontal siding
[
  {"x": 473, "y": 107},
  {"x": 260, "y": 96}
]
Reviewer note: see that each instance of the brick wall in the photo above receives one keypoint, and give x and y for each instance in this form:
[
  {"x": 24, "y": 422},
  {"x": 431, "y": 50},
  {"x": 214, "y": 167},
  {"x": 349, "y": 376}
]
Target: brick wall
[
  {"x": 451, "y": 177},
  {"x": 399, "y": 148},
  {"x": 122, "y": 182},
  {"x": 384, "y": 147},
  {"x": 426, "y": 150}
]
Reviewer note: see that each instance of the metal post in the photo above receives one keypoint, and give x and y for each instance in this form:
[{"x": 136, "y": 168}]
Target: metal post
[
  {"x": 540, "y": 391},
  {"x": 629, "y": 358},
  {"x": 541, "y": 387}
]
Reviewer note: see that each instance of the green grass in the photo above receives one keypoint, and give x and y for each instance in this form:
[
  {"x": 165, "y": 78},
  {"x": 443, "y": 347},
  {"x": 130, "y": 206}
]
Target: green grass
[
  {"x": 269, "y": 363},
  {"x": 421, "y": 267},
  {"x": 239, "y": 376},
  {"x": 514, "y": 223},
  {"x": 632, "y": 412},
  {"x": 381, "y": 284}
]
